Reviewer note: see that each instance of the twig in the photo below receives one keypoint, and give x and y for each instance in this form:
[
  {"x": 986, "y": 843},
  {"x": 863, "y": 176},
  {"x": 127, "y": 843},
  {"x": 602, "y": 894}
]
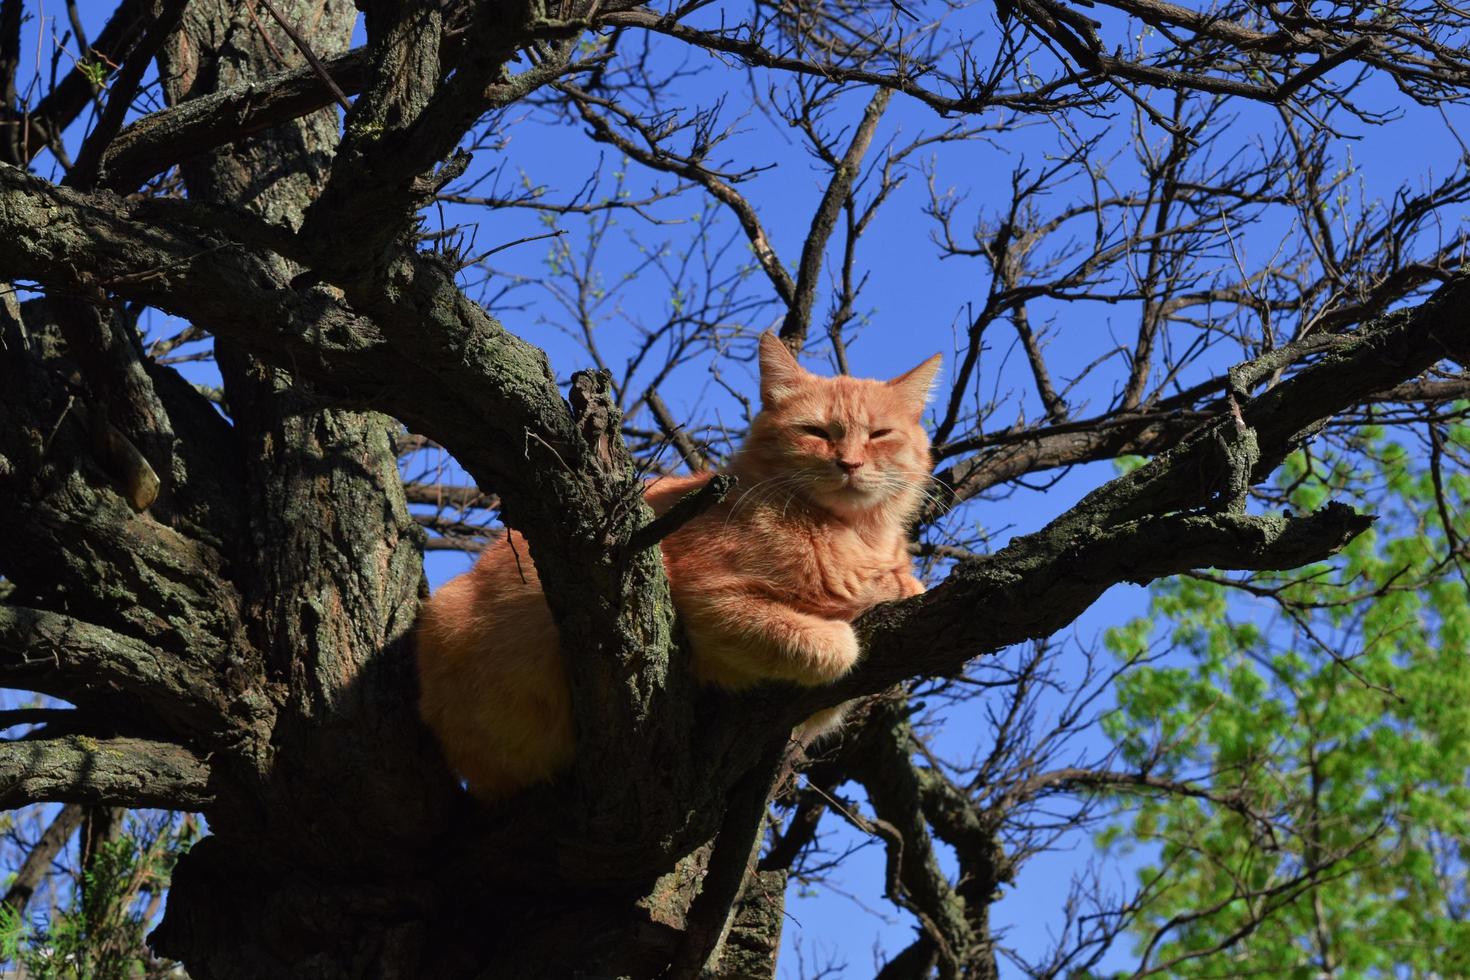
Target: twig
[
  {"x": 685, "y": 509},
  {"x": 309, "y": 55},
  {"x": 84, "y": 172},
  {"x": 519, "y": 241}
]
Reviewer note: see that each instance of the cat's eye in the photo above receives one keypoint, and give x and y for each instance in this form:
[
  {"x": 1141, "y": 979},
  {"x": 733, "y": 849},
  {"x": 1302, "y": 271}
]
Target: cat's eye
[
  {"x": 818, "y": 431},
  {"x": 879, "y": 433}
]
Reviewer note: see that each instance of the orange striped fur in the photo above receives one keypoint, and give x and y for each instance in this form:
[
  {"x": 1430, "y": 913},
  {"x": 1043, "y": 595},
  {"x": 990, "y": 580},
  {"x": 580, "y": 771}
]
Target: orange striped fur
[{"x": 766, "y": 582}]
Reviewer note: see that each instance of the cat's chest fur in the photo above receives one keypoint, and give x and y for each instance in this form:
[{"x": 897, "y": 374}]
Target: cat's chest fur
[
  {"x": 791, "y": 553},
  {"x": 851, "y": 573},
  {"x": 826, "y": 568}
]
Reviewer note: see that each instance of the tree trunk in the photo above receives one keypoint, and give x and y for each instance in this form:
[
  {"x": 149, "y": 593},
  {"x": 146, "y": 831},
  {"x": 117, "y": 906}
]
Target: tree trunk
[{"x": 345, "y": 861}]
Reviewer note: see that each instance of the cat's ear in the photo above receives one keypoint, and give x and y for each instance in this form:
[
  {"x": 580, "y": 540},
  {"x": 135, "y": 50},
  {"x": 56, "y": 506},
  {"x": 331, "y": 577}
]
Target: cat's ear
[
  {"x": 780, "y": 374},
  {"x": 914, "y": 386}
]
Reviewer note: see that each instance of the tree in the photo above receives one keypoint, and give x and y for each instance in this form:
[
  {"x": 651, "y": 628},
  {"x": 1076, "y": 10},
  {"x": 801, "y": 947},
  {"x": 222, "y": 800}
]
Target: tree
[
  {"x": 221, "y": 583},
  {"x": 95, "y": 931},
  {"x": 1334, "y": 838}
]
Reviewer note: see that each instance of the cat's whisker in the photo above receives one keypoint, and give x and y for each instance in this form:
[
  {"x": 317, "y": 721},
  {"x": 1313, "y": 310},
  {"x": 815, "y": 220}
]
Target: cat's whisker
[
  {"x": 758, "y": 492},
  {"x": 811, "y": 481},
  {"x": 751, "y": 494},
  {"x": 928, "y": 494},
  {"x": 803, "y": 538}
]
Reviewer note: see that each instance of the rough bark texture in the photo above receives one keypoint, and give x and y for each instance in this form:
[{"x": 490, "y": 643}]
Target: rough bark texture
[
  {"x": 230, "y": 606},
  {"x": 329, "y": 587}
]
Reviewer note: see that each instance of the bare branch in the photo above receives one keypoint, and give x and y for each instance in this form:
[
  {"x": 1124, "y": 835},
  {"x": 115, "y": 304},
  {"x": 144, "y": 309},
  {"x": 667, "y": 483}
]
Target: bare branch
[
  {"x": 83, "y": 173},
  {"x": 30, "y": 133},
  {"x": 37, "y": 865},
  {"x": 154, "y": 142},
  {"x": 824, "y": 222},
  {"x": 103, "y": 772},
  {"x": 84, "y": 663}
]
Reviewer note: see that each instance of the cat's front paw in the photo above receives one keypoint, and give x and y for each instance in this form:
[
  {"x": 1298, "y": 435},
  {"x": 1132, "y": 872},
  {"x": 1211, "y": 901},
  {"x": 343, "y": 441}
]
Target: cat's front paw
[
  {"x": 826, "y": 653},
  {"x": 909, "y": 586}
]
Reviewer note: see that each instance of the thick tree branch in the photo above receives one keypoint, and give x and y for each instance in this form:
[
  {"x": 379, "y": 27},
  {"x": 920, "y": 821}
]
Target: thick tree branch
[
  {"x": 884, "y": 766},
  {"x": 72, "y": 532},
  {"x": 732, "y": 863},
  {"x": 578, "y": 498},
  {"x": 121, "y": 93},
  {"x": 78, "y": 243},
  {"x": 975, "y": 840},
  {"x": 160, "y": 139},
  {"x": 103, "y": 772},
  {"x": 1395, "y": 348},
  {"x": 1041, "y": 582},
  {"x": 424, "y": 336},
  {"x": 1145, "y": 525},
  {"x": 84, "y": 663},
  {"x": 1007, "y": 454},
  {"x": 414, "y": 109}
]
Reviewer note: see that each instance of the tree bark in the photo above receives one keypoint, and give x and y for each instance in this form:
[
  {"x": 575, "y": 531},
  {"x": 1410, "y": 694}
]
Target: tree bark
[{"x": 329, "y": 860}]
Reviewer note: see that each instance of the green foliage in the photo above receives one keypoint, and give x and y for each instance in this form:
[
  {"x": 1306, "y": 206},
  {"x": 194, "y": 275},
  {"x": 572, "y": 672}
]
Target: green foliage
[
  {"x": 98, "y": 931},
  {"x": 95, "y": 72},
  {"x": 1324, "y": 714}
]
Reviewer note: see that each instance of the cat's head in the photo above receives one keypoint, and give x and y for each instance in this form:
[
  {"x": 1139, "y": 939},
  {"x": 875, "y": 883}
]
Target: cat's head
[{"x": 846, "y": 444}]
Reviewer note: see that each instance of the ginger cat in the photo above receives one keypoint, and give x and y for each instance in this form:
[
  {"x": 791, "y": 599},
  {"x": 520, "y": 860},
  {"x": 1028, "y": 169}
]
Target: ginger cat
[{"x": 766, "y": 582}]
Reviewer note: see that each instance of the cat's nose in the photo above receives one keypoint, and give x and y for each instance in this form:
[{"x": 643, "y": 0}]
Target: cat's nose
[{"x": 849, "y": 466}]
